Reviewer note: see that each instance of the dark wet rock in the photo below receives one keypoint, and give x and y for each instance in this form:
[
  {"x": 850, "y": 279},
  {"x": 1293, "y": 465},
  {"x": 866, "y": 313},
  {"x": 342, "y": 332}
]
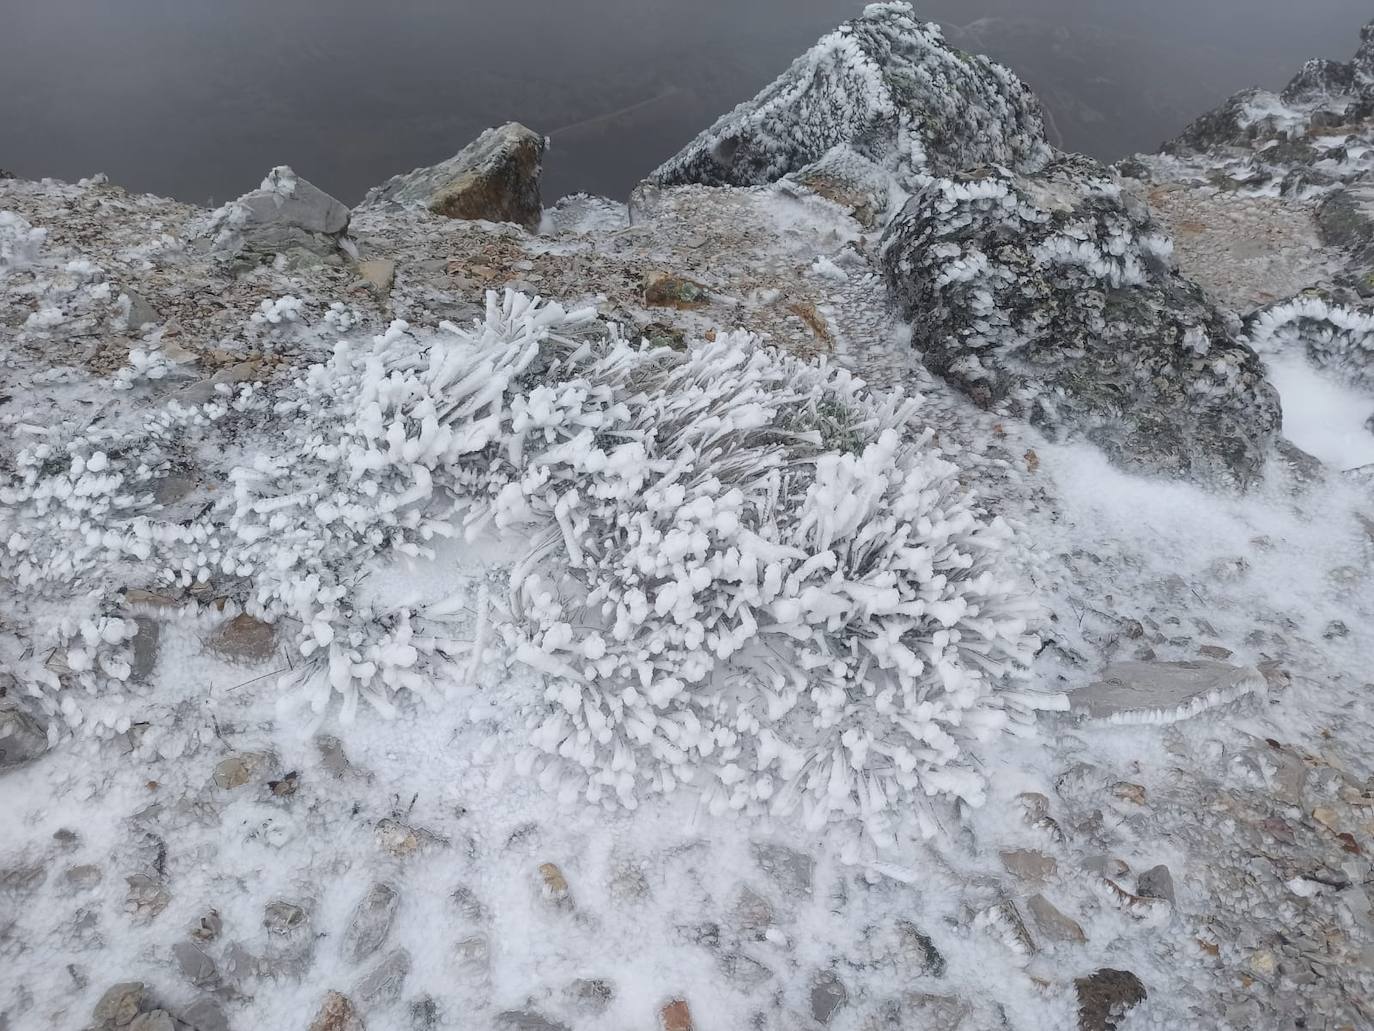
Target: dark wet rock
[
  {"x": 828, "y": 995},
  {"x": 1156, "y": 883},
  {"x": 1053, "y": 295},
  {"x": 1105, "y": 996},
  {"x": 371, "y": 922},
  {"x": 1163, "y": 692},
  {"x": 888, "y": 88},
  {"x": 285, "y": 213},
  {"x": 496, "y": 178},
  {"x": 22, "y": 738}
]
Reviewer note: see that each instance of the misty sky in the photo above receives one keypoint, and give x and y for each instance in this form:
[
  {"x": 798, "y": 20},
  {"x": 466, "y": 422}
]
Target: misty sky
[{"x": 198, "y": 98}]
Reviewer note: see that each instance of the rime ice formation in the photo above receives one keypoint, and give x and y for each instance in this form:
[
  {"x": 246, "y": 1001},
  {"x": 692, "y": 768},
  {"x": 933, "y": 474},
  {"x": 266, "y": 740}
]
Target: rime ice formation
[
  {"x": 1054, "y": 293},
  {"x": 888, "y": 88},
  {"x": 623, "y": 625}
]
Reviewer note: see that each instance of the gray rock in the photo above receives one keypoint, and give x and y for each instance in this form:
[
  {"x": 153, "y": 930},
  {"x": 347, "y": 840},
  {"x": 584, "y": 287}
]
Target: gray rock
[
  {"x": 22, "y": 738},
  {"x": 145, "y": 645},
  {"x": 243, "y": 639},
  {"x": 828, "y": 994},
  {"x": 141, "y": 313},
  {"x": 1156, "y": 883},
  {"x": 424, "y": 1014},
  {"x": 922, "y": 949},
  {"x": 371, "y": 922},
  {"x": 1028, "y": 864},
  {"x": 1105, "y": 996},
  {"x": 284, "y": 918},
  {"x": 496, "y": 178},
  {"x": 1163, "y": 692},
  {"x": 196, "y": 966},
  {"x": 744, "y": 970},
  {"x": 387, "y": 979},
  {"x": 590, "y": 994},
  {"x": 526, "y": 1020},
  {"x": 120, "y": 1004},
  {"x": 886, "y": 87},
  {"x": 791, "y": 870},
  {"x": 205, "y": 1014},
  {"x": 154, "y": 1020},
  {"x": 1052, "y": 296},
  {"x": 1052, "y": 924},
  {"x": 285, "y": 212}
]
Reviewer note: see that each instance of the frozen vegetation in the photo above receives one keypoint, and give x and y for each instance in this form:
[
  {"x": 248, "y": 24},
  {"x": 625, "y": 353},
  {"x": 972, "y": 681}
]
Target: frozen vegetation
[{"x": 891, "y": 576}]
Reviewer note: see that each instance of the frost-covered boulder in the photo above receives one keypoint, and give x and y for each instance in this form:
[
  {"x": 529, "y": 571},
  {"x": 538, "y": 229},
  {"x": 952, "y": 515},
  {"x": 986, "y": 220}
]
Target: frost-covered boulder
[
  {"x": 495, "y": 177},
  {"x": 1332, "y": 331},
  {"x": 284, "y": 213},
  {"x": 1054, "y": 295},
  {"x": 22, "y": 738},
  {"x": 885, "y": 85},
  {"x": 1346, "y": 218}
]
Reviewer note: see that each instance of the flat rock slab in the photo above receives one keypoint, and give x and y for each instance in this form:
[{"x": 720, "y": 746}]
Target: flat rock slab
[{"x": 1162, "y": 692}]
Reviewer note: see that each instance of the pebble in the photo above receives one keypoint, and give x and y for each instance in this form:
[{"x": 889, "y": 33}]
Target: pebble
[
  {"x": 120, "y": 1003},
  {"x": 371, "y": 922},
  {"x": 1029, "y": 865},
  {"x": 243, "y": 639},
  {"x": 828, "y": 995},
  {"x": 337, "y": 1013},
  {"x": 1156, "y": 883},
  {"x": 554, "y": 887},
  {"x": 1052, "y": 923},
  {"x": 675, "y": 1016}
]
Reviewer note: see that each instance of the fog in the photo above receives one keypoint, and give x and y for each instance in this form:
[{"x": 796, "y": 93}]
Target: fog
[{"x": 198, "y": 98}]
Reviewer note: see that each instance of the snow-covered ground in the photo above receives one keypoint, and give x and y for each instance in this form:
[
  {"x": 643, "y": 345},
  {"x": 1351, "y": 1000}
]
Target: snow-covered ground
[{"x": 231, "y": 837}]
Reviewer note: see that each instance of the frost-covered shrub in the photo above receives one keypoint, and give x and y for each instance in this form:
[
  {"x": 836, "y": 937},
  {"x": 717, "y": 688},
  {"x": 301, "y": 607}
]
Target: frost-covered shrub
[
  {"x": 20, "y": 243},
  {"x": 1053, "y": 294},
  {"x": 1332, "y": 334},
  {"x": 739, "y": 572},
  {"x": 884, "y": 85}
]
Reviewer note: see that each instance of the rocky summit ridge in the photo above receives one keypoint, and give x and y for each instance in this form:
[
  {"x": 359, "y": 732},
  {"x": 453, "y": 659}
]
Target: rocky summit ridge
[{"x": 890, "y": 574}]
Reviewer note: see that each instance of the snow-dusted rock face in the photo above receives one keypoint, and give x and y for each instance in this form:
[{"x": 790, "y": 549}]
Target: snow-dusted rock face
[
  {"x": 495, "y": 177},
  {"x": 1334, "y": 332},
  {"x": 1054, "y": 295},
  {"x": 885, "y": 85},
  {"x": 285, "y": 212}
]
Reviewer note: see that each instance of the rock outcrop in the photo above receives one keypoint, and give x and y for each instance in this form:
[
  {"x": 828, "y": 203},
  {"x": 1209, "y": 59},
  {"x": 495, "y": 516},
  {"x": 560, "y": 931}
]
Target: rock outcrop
[
  {"x": 495, "y": 178},
  {"x": 1054, "y": 295},
  {"x": 1332, "y": 330},
  {"x": 285, "y": 213},
  {"x": 885, "y": 86}
]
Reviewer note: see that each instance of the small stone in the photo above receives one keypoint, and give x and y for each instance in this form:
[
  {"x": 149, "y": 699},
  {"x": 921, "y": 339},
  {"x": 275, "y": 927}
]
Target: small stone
[
  {"x": 337, "y": 1013},
  {"x": 196, "y": 966},
  {"x": 387, "y": 979},
  {"x": 208, "y": 927},
  {"x": 238, "y": 770},
  {"x": 66, "y": 840},
  {"x": 828, "y": 994},
  {"x": 1052, "y": 923},
  {"x": 554, "y": 887},
  {"x": 286, "y": 786},
  {"x": 147, "y": 897},
  {"x": 1036, "y": 805},
  {"x": 590, "y": 994},
  {"x": 1029, "y": 865},
  {"x": 1215, "y": 651},
  {"x": 243, "y": 639},
  {"x": 284, "y": 918},
  {"x": 1128, "y": 792},
  {"x": 526, "y": 1020},
  {"x": 401, "y": 841},
  {"x": 154, "y": 1020},
  {"x": 204, "y": 1014},
  {"x": 378, "y": 274},
  {"x": 664, "y": 290},
  {"x": 919, "y": 944},
  {"x": 83, "y": 878},
  {"x": 22, "y": 738},
  {"x": 120, "y": 1004},
  {"x": 371, "y": 922},
  {"x": 1104, "y": 998},
  {"x": 793, "y": 871},
  {"x": 468, "y": 904},
  {"x": 1156, "y": 883},
  {"x": 675, "y": 1016},
  {"x": 753, "y": 915}
]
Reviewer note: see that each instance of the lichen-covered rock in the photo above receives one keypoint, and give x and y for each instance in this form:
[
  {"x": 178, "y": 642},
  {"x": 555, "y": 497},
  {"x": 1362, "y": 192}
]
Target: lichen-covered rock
[
  {"x": 1332, "y": 331},
  {"x": 495, "y": 177},
  {"x": 1105, "y": 997},
  {"x": 286, "y": 212},
  {"x": 1054, "y": 295},
  {"x": 885, "y": 85}
]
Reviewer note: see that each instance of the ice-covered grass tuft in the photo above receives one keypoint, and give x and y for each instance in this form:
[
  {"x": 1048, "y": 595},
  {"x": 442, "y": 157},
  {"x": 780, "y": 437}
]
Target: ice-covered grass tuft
[{"x": 739, "y": 572}]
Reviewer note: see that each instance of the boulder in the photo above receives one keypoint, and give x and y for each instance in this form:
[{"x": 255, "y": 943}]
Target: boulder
[
  {"x": 495, "y": 177},
  {"x": 884, "y": 85},
  {"x": 22, "y": 738},
  {"x": 1346, "y": 217},
  {"x": 284, "y": 214},
  {"x": 1163, "y": 692},
  {"x": 1054, "y": 295}
]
